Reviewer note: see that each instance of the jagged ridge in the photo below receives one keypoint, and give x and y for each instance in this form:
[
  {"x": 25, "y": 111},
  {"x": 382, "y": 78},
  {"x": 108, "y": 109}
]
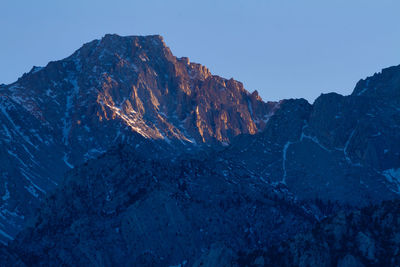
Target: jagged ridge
[{"x": 110, "y": 91}]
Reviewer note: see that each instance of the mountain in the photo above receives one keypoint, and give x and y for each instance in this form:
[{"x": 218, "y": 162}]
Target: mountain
[
  {"x": 123, "y": 154},
  {"x": 110, "y": 91},
  {"x": 122, "y": 209},
  {"x": 340, "y": 148}
]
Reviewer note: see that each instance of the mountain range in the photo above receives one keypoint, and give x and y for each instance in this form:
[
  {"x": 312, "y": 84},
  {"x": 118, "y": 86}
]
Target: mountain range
[{"x": 124, "y": 155}]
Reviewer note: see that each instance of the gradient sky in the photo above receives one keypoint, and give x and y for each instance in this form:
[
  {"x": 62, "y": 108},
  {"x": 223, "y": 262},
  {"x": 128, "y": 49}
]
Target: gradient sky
[{"x": 283, "y": 49}]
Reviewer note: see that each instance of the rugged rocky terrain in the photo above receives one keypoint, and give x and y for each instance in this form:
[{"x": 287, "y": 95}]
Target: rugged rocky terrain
[
  {"x": 110, "y": 91},
  {"x": 123, "y": 154},
  {"x": 343, "y": 148},
  {"x": 368, "y": 237},
  {"x": 124, "y": 209}
]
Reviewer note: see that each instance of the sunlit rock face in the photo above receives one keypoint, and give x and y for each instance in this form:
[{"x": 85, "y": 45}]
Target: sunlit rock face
[
  {"x": 110, "y": 91},
  {"x": 138, "y": 81}
]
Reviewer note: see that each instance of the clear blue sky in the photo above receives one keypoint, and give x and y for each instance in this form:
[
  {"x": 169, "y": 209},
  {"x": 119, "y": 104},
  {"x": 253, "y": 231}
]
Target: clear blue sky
[{"x": 280, "y": 48}]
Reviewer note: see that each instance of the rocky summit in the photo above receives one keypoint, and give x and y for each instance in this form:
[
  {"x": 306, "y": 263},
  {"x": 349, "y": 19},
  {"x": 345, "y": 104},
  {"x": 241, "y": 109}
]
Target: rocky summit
[
  {"x": 111, "y": 91},
  {"x": 124, "y": 155}
]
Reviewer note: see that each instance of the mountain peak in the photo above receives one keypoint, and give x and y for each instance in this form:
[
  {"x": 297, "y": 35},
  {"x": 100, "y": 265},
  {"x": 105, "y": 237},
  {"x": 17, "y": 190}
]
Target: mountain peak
[
  {"x": 383, "y": 84},
  {"x": 146, "y": 40},
  {"x": 138, "y": 81},
  {"x": 129, "y": 90},
  {"x": 132, "y": 37}
]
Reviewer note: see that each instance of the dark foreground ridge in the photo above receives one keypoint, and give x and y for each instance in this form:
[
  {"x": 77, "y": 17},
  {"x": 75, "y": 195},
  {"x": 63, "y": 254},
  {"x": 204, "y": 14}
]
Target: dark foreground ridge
[
  {"x": 123, "y": 154},
  {"x": 367, "y": 237}
]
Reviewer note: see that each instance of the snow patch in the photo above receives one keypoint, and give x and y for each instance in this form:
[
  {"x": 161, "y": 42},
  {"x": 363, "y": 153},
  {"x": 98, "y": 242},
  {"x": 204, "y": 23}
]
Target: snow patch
[
  {"x": 315, "y": 140},
  {"x": 65, "y": 159},
  {"x": 67, "y": 119},
  {"x": 346, "y": 155},
  {"x": 23, "y": 172},
  {"x": 36, "y": 69},
  {"x": 6, "y": 235},
  {"x": 284, "y": 152},
  {"x": 362, "y": 91},
  {"x": 393, "y": 176},
  {"x": 6, "y": 195},
  {"x": 93, "y": 153},
  {"x": 17, "y": 128},
  {"x": 17, "y": 157},
  {"x": 32, "y": 190},
  {"x": 365, "y": 88}
]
